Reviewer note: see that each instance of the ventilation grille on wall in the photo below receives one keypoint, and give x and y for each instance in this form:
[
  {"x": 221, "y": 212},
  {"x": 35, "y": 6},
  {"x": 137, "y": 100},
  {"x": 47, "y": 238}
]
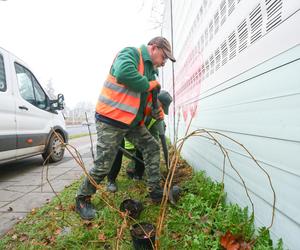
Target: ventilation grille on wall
[
  {"x": 211, "y": 30},
  {"x": 212, "y": 64},
  {"x": 218, "y": 58},
  {"x": 224, "y": 52},
  {"x": 250, "y": 30},
  {"x": 216, "y": 22},
  {"x": 274, "y": 10},
  {"x": 243, "y": 35},
  {"x": 232, "y": 45},
  {"x": 230, "y": 6},
  {"x": 256, "y": 23},
  {"x": 206, "y": 36},
  {"x": 202, "y": 71},
  {"x": 223, "y": 12},
  {"x": 206, "y": 68}
]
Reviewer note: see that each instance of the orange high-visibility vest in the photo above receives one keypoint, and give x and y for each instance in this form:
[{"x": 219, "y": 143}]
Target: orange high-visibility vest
[
  {"x": 116, "y": 101},
  {"x": 148, "y": 108}
]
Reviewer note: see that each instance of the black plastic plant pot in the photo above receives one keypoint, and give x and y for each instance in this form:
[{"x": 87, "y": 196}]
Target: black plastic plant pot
[
  {"x": 133, "y": 207},
  {"x": 143, "y": 236}
]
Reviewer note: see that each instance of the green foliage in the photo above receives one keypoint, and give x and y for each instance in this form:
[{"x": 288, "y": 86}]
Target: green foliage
[
  {"x": 264, "y": 241},
  {"x": 195, "y": 223},
  {"x": 234, "y": 219},
  {"x": 205, "y": 188}
]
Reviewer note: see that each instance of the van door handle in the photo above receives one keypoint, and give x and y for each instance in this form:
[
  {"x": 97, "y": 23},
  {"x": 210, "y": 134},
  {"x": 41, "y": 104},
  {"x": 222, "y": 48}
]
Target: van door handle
[{"x": 23, "y": 107}]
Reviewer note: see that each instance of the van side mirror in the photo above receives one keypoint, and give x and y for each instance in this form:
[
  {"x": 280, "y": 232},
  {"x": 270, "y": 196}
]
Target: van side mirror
[
  {"x": 61, "y": 101},
  {"x": 58, "y": 104}
]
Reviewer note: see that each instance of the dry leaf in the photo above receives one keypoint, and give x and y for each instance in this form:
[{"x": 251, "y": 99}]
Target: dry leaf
[
  {"x": 23, "y": 237},
  {"x": 72, "y": 207},
  {"x": 101, "y": 237},
  {"x": 218, "y": 233},
  {"x": 50, "y": 240},
  {"x": 204, "y": 219},
  {"x": 33, "y": 211},
  {"x": 206, "y": 230},
  {"x": 245, "y": 246},
  {"x": 88, "y": 224},
  {"x": 57, "y": 231},
  {"x": 14, "y": 237},
  {"x": 35, "y": 243},
  {"x": 176, "y": 236},
  {"x": 10, "y": 232},
  {"x": 59, "y": 207},
  {"x": 229, "y": 242},
  {"x": 95, "y": 225}
]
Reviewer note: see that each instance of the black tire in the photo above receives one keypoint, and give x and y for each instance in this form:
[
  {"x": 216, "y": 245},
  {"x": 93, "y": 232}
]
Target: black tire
[{"x": 54, "y": 152}]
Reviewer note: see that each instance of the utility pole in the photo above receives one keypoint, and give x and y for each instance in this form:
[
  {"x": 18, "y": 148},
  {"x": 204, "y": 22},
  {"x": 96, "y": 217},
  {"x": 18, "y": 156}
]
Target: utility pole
[{"x": 173, "y": 76}]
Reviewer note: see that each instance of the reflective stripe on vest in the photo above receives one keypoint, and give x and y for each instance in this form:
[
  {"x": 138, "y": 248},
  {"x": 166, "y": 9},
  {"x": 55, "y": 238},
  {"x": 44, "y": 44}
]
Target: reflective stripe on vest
[
  {"x": 128, "y": 145},
  {"x": 116, "y": 101},
  {"x": 151, "y": 123}
]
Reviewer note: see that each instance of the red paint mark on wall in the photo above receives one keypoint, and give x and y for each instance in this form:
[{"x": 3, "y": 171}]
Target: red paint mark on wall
[
  {"x": 185, "y": 113},
  {"x": 193, "y": 109},
  {"x": 188, "y": 85}
]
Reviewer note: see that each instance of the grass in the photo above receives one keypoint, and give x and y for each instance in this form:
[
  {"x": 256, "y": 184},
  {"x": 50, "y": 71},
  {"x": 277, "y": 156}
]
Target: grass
[{"x": 193, "y": 224}]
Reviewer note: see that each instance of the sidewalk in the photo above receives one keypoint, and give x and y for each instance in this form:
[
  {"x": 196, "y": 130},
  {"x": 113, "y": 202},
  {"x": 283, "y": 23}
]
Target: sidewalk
[{"x": 20, "y": 194}]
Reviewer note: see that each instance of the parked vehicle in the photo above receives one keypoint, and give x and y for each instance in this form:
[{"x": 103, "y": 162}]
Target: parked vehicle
[{"x": 28, "y": 116}]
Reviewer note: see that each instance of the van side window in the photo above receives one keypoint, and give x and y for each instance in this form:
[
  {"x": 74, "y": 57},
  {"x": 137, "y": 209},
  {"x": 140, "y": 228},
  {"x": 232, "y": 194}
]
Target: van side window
[
  {"x": 40, "y": 96},
  {"x": 2, "y": 75},
  {"x": 29, "y": 88}
]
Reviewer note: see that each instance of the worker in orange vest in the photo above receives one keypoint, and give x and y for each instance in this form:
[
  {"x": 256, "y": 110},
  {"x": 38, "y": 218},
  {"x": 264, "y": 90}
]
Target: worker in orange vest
[
  {"x": 135, "y": 168},
  {"x": 120, "y": 112}
]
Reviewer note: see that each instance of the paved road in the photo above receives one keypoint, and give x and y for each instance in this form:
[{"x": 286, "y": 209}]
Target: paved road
[
  {"x": 80, "y": 129},
  {"x": 21, "y": 187}
]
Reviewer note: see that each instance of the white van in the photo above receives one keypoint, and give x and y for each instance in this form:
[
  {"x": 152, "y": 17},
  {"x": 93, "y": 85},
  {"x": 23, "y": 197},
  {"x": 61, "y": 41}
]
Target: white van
[{"x": 27, "y": 115}]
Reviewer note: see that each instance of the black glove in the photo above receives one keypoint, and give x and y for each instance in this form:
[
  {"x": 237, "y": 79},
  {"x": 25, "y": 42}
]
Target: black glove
[{"x": 158, "y": 114}]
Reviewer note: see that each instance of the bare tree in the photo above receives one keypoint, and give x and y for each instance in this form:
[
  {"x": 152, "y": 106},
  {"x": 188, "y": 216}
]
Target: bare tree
[
  {"x": 156, "y": 16},
  {"x": 50, "y": 89},
  {"x": 77, "y": 114}
]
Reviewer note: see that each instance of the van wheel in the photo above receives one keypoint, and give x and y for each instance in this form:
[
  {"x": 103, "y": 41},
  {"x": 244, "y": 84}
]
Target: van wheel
[{"x": 54, "y": 149}]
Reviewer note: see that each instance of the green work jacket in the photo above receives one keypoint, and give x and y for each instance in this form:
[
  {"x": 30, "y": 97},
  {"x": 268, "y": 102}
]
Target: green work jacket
[{"x": 125, "y": 70}]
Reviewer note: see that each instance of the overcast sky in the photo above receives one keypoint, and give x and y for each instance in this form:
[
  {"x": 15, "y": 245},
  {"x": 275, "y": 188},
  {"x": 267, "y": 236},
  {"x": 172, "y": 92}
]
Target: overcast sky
[{"x": 73, "y": 42}]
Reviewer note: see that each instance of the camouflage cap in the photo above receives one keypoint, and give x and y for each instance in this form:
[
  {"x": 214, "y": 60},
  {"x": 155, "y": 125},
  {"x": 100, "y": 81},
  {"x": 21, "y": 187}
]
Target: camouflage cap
[
  {"x": 165, "y": 98},
  {"x": 164, "y": 44}
]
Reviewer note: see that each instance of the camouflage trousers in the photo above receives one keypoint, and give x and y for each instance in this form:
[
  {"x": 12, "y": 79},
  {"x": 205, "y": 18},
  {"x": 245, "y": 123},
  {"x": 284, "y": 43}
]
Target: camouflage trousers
[{"x": 109, "y": 139}]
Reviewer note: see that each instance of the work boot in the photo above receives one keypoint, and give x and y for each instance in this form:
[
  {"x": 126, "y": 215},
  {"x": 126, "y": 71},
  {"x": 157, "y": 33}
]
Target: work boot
[
  {"x": 85, "y": 208},
  {"x": 174, "y": 194},
  {"x": 157, "y": 194},
  {"x": 112, "y": 187}
]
